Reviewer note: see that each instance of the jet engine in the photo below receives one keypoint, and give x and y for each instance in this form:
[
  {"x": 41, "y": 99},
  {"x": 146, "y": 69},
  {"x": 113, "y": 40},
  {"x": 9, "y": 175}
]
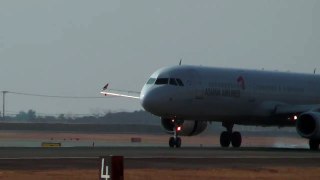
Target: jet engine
[
  {"x": 308, "y": 125},
  {"x": 187, "y": 127}
]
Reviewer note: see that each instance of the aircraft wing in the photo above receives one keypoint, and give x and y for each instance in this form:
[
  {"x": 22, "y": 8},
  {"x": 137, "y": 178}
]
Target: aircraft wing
[
  {"x": 296, "y": 109},
  {"x": 120, "y": 93},
  {"x": 284, "y": 109}
]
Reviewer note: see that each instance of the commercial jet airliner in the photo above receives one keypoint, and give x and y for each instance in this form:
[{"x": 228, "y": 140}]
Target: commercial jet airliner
[{"x": 186, "y": 98}]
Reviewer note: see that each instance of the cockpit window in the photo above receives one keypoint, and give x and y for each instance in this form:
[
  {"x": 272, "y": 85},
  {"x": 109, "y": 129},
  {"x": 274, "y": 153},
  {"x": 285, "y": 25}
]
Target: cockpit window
[
  {"x": 173, "y": 82},
  {"x": 180, "y": 82},
  {"x": 162, "y": 81},
  {"x": 151, "y": 81}
]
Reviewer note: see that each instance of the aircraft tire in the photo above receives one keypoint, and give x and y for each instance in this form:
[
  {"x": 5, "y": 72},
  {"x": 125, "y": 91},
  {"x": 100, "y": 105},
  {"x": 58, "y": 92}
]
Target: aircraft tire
[
  {"x": 172, "y": 142},
  {"x": 178, "y": 142},
  {"x": 236, "y": 139},
  {"x": 314, "y": 144},
  {"x": 225, "y": 139}
]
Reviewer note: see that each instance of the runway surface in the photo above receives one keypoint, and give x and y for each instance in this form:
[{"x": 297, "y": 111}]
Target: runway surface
[{"x": 157, "y": 157}]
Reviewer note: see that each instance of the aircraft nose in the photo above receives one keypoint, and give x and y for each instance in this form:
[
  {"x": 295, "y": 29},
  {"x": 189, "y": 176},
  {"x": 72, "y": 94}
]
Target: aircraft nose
[
  {"x": 154, "y": 100},
  {"x": 149, "y": 101}
]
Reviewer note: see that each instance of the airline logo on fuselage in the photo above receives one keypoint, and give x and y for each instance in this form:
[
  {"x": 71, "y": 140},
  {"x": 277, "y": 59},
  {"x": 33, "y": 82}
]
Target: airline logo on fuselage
[
  {"x": 241, "y": 82},
  {"x": 226, "y": 89}
]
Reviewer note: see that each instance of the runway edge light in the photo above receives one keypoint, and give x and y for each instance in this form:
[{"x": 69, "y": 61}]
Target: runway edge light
[{"x": 111, "y": 168}]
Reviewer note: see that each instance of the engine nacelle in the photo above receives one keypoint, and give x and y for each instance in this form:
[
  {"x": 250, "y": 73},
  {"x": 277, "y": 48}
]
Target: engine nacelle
[
  {"x": 308, "y": 125},
  {"x": 188, "y": 127}
]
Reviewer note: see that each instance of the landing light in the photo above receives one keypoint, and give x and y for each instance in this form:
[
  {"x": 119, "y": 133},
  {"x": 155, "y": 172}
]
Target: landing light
[
  {"x": 179, "y": 128},
  {"x": 295, "y": 117}
]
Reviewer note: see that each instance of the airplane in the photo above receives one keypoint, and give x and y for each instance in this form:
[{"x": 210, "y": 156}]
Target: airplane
[{"x": 187, "y": 97}]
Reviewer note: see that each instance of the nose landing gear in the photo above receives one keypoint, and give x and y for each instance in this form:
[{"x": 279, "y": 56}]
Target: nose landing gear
[
  {"x": 229, "y": 136},
  {"x": 175, "y": 141}
]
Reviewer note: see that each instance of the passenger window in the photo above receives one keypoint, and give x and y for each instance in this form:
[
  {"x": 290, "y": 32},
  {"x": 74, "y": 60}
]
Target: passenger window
[
  {"x": 151, "y": 81},
  {"x": 173, "y": 82},
  {"x": 180, "y": 82},
  {"x": 162, "y": 81}
]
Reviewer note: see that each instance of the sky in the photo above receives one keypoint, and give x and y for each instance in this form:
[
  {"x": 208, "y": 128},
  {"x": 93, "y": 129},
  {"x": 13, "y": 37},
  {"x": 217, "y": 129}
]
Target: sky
[{"x": 74, "y": 47}]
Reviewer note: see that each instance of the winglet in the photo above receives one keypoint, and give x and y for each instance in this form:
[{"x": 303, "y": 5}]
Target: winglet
[{"x": 105, "y": 87}]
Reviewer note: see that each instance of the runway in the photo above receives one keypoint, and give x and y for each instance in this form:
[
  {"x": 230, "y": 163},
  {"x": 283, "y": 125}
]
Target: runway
[
  {"x": 157, "y": 157},
  {"x": 21, "y": 151}
]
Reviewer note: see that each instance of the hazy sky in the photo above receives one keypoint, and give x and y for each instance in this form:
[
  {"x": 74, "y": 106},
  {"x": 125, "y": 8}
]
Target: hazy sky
[{"x": 74, "y": 47}]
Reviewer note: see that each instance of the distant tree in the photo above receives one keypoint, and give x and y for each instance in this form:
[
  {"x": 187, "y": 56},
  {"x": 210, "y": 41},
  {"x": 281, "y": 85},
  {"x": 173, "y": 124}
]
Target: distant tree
[
  {"x": 21, "y": 116},
  {"x": 61, "y": 117},
  {"x": 50, "y": 118},
  {"x": 29, "y": 116}
]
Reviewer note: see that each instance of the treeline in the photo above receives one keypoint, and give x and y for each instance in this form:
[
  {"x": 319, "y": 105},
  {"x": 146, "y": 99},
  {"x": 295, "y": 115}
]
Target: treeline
[
  {"x": 132, "y": 119},
  {"x": 136, "y": 117}
]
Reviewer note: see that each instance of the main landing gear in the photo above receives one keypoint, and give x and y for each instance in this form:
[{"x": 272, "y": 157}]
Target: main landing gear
[
  {"x": 314, "y": 144},
  {"x": 175, "y": 141},
  {"x": 229, "y": 136}
]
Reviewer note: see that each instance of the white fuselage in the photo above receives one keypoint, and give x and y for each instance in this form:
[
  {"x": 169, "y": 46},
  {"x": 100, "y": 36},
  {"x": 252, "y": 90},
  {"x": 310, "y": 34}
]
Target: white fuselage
[{"x": 221, "y": 94}]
